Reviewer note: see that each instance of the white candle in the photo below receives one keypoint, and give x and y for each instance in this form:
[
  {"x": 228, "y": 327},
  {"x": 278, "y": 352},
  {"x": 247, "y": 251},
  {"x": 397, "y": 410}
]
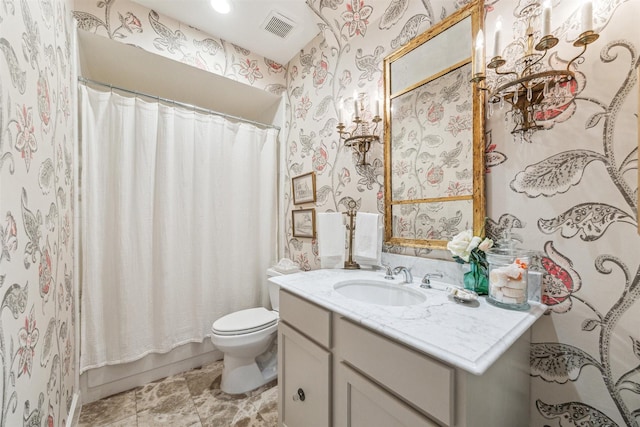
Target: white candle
[
  {"x": 355, "y": 104},
  {"x": 340, "y": 112},
  {"x": 496, "y": 37},
  {"x": 546, "y": 18},
  {"x": 377, "y": 107},
  {"x": 587, "y": 16},
  {"x": 477, "y": 62}
]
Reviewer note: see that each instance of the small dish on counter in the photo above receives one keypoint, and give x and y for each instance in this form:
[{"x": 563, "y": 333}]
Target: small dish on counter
[{"x": 462, "y": 295}]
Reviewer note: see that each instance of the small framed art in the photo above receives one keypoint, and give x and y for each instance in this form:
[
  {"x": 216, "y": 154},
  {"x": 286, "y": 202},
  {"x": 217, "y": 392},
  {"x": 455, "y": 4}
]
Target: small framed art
[
  {"x": 304, "y": 188},
  {"x": 304, "y": 222}
]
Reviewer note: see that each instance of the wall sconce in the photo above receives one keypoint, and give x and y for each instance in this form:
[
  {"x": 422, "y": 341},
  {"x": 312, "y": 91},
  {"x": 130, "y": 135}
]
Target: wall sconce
[
  {"x": 527, "y": 84},
  {"x": 361, "y": 137}
]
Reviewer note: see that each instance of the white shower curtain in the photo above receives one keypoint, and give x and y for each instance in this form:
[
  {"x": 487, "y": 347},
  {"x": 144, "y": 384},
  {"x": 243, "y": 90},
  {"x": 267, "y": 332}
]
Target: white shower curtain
[{"x": 178, "y": 224}]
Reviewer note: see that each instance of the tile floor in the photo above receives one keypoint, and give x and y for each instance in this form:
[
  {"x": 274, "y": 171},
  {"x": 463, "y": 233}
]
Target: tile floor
[{"x": 189, "y": 399}]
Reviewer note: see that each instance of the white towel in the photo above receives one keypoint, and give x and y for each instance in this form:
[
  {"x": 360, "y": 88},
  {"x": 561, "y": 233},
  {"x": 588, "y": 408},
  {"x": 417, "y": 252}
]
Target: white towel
[
  {"x": 367, "y": 246},
  {"x": 286, "y": 266},
  {"x": 331, "y": 238}
]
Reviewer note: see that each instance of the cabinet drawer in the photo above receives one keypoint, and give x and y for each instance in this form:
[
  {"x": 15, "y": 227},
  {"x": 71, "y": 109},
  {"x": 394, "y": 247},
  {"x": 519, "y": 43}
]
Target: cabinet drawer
[
  {"x": 304, "y": 380},
  {"x": 308, "y": 318},
  {"x": 361, "y": 403},
  {"x": 417, "y": 378}
]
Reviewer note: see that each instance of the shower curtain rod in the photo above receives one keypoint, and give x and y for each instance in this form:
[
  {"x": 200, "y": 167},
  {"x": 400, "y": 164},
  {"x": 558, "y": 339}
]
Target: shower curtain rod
[{"x": 85, "y": 81}]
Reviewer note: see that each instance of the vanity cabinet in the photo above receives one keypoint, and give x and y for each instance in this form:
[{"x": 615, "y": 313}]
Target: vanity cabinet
[
  {"x": 304, "y": 364},
  {"x": 357, "y": 377}
]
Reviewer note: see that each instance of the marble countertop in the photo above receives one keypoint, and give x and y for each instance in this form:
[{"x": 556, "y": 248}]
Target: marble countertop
[{"x": 467, "y": 336}]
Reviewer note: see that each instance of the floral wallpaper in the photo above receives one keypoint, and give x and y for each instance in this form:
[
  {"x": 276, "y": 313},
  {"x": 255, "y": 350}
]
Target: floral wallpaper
[
  {"x": 37, "y": 320},
  {"x": 344, "y": 62},
  {"x": 136, "y": 25},
  {"x": 570, "y": 194}
]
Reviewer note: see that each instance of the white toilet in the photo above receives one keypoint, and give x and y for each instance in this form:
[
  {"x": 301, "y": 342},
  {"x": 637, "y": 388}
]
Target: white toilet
[{"x": 248, "y": 340}]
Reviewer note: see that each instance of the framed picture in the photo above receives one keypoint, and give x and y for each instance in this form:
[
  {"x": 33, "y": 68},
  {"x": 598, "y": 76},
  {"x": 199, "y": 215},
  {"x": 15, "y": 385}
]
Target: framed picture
[
  {"x": 304, "y": 222},
  {"x": 304, "y": 188}
]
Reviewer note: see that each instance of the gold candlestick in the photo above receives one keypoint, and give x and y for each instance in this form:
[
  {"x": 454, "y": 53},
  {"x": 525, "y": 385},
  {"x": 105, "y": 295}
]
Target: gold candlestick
[{"x": 350, "y": 264}]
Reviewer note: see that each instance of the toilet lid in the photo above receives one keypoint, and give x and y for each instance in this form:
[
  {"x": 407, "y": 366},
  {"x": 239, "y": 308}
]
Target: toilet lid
[{"x": 245, "y": 321}]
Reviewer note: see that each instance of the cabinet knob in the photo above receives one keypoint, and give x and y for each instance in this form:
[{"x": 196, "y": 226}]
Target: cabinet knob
[{"x": 300, "y": 396}]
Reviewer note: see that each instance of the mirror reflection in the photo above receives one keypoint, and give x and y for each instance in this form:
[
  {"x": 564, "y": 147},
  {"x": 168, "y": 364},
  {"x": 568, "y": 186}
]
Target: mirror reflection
[{"x": 434, "y": 136}]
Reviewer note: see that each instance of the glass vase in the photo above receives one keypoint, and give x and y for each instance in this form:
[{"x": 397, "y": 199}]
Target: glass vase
[
  {"x": 476, "y": 279},
  {"x": 508, "y": 277}
]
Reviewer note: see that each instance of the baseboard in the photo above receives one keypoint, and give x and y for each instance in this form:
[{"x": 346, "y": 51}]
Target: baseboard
[{"x": 73, "y": 417}]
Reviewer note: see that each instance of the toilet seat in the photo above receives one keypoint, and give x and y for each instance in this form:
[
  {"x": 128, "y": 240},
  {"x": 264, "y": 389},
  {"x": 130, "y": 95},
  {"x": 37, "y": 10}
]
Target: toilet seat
[{"x": 245, "y": 321}]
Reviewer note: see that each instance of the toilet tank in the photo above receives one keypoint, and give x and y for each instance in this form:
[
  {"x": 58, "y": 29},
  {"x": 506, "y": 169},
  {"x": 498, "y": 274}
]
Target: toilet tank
[{"x": 273, "y": 288}]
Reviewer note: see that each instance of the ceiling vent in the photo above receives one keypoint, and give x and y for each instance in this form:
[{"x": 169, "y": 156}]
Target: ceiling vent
[{"x": 278, "y": 24}]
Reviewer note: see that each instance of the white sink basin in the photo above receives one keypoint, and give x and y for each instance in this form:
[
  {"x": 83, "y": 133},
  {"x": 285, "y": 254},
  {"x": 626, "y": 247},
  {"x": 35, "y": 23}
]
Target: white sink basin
[{"x": 379, "y": 292}]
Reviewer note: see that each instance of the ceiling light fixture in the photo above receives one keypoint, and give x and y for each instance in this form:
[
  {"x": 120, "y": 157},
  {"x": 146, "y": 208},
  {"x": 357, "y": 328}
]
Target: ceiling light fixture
[{"x": 221, "y": 6}]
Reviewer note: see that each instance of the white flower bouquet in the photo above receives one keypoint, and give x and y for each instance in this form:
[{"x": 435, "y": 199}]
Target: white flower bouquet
[{"x": 469, "y": 249}]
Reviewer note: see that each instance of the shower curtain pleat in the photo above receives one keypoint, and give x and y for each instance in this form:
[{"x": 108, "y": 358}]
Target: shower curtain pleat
[{"x": 178, "y": 224}]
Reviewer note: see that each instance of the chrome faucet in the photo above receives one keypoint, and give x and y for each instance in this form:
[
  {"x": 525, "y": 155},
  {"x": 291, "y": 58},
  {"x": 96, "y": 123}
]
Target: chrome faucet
[
  {"x": 389, "y": 272},
  {"x": 426, "y": 280},
  {"x": 408, "y": 278}
]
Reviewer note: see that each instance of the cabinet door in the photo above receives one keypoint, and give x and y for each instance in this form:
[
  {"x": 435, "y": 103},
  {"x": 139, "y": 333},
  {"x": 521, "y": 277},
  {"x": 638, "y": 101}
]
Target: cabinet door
[
  {"x": 303, "y": 380},
  {"x": 361, "y": 403},
  {"x": 421, "y": 381}
]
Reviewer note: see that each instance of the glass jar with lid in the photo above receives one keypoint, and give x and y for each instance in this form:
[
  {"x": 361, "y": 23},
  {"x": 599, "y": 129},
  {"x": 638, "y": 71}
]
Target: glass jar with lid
[{"x": 508, "y": 271}]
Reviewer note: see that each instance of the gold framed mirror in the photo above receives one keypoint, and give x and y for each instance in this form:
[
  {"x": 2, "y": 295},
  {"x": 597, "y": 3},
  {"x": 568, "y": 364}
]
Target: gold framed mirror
[{"x": 434, "y": 135}]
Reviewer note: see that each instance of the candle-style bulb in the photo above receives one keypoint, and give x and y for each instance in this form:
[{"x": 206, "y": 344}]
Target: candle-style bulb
[
  {"x": 355, "y": 104},
  {"x": 546, "y": 18},
  {"x": 587, "y": 16},
  {"x": 477, "y": 62},
  {"x": 496, "y": 37},
  {"x": 480, "y": 39}
]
